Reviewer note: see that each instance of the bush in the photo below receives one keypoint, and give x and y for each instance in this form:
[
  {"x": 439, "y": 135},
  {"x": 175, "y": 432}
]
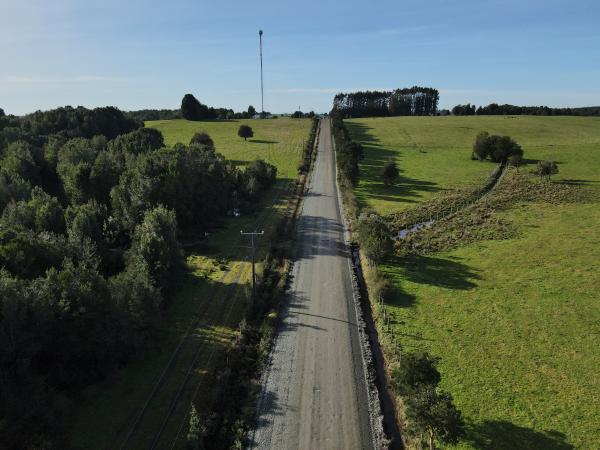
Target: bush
[
  {"x": 417, "y": 370},
  {"x": 545, "y": 169},
  {"x": 257, "y": 177},
  {"x": 204, "y": 140},
  {"x": 389, "y": 172},
  {"x": 480, "y": 148},
  {"x": 374, "y": 237}
]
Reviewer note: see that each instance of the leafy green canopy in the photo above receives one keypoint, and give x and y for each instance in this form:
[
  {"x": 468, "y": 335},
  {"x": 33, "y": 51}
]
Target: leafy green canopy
[{"x": 91, "y": 207}]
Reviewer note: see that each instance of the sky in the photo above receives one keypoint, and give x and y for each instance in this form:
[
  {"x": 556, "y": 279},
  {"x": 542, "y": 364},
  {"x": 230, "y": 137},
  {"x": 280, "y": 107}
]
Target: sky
[{"x": 137, "y": 54}]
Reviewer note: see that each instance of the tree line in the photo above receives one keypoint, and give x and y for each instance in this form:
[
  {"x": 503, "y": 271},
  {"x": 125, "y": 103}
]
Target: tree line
[
  {"x": 192, "y": 109},
  {"x": 414, "y": 101},
  {"x": 348, "y": 152},
  {"x": 494, "y": 109},
  {"x": 91, "y": 209}
]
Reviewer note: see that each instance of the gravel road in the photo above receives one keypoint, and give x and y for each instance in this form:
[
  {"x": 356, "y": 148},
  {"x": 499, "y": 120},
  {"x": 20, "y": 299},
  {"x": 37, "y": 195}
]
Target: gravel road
[{"x": 314, "y": 390}]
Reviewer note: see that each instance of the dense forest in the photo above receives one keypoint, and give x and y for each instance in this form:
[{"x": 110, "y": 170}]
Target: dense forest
[
  {"x": 92, "y": 206},
  {"x": 414, "y": 101},
  {"x": 494, "y": 109}
]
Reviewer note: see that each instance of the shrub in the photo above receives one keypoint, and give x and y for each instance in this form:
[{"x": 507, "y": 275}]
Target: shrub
[
  {"x": 374, "y": 237},
  {"x": 204, "y": 140},
  {"x": 545, "y": 169},
  {"x": 480, "y": 147},
  {"x": 389, "y": 172}
]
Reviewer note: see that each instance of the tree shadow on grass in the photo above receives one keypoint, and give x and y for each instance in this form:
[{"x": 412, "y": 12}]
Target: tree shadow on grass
[
  {"x": 376, "y": 155},
  {"x": 504, "y": 435},
  {"x": 361, "y": 132},
  {"x": 448, "y": 273},
  {"x": 262, "y": 141},
  {"x": 576, "y": 182}
]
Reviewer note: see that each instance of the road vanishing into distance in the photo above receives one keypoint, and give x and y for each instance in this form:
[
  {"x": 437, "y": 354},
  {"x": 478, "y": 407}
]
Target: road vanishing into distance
[{"x": 314, "y": 392}]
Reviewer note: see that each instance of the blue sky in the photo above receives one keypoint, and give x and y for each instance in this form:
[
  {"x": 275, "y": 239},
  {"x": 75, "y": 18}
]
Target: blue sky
[{"x": 146, "y": 54}]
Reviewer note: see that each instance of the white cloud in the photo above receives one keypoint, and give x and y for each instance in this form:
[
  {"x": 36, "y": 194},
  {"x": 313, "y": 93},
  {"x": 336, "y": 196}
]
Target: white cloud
[{"x": 26, "y": 79}]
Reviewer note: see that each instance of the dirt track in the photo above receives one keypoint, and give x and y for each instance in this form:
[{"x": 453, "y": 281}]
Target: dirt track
[{"x": 314, "y": 391}]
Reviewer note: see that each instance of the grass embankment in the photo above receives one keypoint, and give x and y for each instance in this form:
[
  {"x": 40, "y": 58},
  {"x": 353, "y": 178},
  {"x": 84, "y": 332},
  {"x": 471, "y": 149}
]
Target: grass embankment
[
  {"x": 203, "y": 316},
  {"x": 277, "y": 141},
  {"x": 516, "y": 321}
]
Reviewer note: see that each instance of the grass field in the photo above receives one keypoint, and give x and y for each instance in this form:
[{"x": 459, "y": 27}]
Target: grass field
[
  {"x": 433, "y": 153},
  {"x": 277, "y": 141},
  {"x": 214, "y": 290},
  {"x": 515, "y": 322}
]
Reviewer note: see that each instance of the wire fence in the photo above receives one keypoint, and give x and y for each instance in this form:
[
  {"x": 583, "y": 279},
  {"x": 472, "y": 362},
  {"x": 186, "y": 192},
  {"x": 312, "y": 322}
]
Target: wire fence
[{"x": 454, "y": 206}]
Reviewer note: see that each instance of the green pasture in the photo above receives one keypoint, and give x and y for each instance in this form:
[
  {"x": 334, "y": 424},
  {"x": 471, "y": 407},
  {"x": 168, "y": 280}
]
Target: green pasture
[
  {"x": 433, "y": 153},
  {"x": 515, "y": 323},
  {"x": 277, "y": 141}
]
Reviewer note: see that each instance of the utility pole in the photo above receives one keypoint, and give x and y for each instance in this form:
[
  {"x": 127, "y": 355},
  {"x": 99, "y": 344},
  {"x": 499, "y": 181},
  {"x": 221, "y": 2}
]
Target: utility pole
[
  {"x": 252, "y": 234},
  {"x": 262, "y": 98}
]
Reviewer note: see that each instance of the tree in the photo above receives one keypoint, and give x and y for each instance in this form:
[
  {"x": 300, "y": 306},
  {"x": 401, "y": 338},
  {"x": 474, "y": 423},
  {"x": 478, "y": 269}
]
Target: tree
[
  {"x": 498, "y": 148},
  {"x": 23, "y": 159},
  {"x": 86, "y": 221},
  {"x": 204, "y": 140},
  {"x": 195, "y": 432},
  {"x": 48, "y": 214},
  {"x": 374, "y": 237},
  {"x": 389, "y": 172},
  {"x": 192, "y": 109},
  {"x": 2, "y": 114},
  {"x": 545, "y": 169},
  {"x": 155, "y": 245},
  {"x": 75, "y": 162},
  {"x": 245, "y": 132},
  {"x": 134, "y": 292},
  {"x": 251, "y": 111},
  {"x": 27, "y": 254},
  {"x": 136, "y": 142},
  {"x": 433, "y": 412},
  {"x": 297, "y": 115},
  {"x": 12, "y": 187}
]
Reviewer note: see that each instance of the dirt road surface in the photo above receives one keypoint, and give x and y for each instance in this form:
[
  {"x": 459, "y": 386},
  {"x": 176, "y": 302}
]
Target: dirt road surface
[{"x": 314, "y": 390}]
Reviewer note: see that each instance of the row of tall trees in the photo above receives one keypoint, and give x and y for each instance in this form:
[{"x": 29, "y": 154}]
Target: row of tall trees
[
  {"x": 348, "y": 152},
  {"x": 494, "y": 109},
  {"x": 414, "y": 101},
  {"x": 91, "y": 208}
]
